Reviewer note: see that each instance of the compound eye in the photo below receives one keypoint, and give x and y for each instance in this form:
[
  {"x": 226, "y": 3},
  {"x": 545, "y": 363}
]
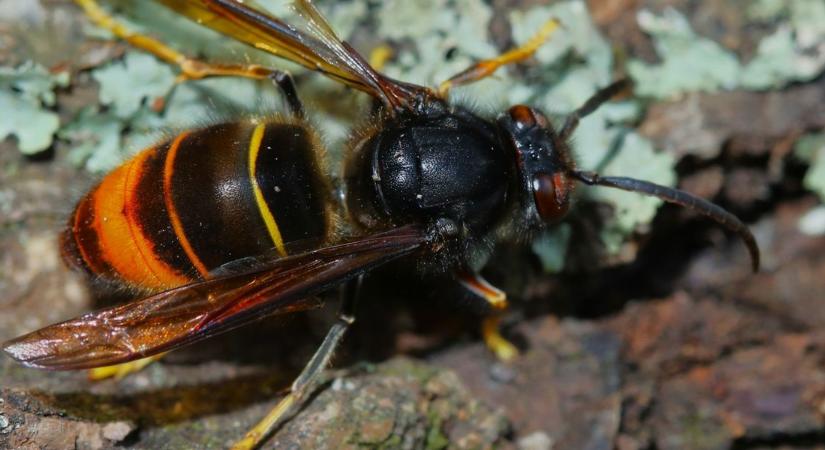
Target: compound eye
[{"x": 552, "y": 195}]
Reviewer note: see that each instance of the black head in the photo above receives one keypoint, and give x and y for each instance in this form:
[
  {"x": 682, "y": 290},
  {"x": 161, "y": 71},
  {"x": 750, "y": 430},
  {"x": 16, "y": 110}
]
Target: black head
[
  {"x": 543, "y": 163},
  {"x": 547, "y": 173}
]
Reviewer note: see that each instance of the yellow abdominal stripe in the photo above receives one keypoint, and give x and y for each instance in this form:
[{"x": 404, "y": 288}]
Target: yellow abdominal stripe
[{"x": 266, "y": 213}]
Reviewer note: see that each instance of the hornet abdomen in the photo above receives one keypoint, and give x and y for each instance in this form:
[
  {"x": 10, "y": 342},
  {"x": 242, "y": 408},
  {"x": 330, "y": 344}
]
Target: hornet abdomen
[{"x": 177, "y": 211}]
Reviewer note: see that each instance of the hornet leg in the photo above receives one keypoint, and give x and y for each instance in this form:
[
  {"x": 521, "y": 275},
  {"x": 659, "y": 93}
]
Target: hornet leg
[
  {"x": 119, "y": 371},
  {"x": 487, "y": 67},
  {"x": 286, "y": 84},
  {"x": 191, "y": 69},
  {"x": 305, "y": 381},
  {"x": 490, "y": 326}
]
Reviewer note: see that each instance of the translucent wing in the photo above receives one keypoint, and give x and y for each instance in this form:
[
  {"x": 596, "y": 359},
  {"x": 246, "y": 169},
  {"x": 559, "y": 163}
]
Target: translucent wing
[
  {"x": 196, "y": 311},
  {"x": 314, "y": 46}
]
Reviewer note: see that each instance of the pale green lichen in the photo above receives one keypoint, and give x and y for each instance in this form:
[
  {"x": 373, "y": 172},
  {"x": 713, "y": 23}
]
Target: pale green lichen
[
  {"x": 795, "y": 51},
  {"x": 811, "y": 149},
  {"x": 96, "y": 139},
  {"x": 812, "y": 222},
  {"x": 689, "y": 62},
  {"x": 807, "y": 20},
  {"x": 26, "y": 93},
  {"x": 775, "y": 61},
  {"x": 129, "y": 83},
  {"x": 434, "y": 28},
  {"x": 578, "y": 37},
  {"x": 765, "y": 10},
  {"x": 551, "y": 247}
]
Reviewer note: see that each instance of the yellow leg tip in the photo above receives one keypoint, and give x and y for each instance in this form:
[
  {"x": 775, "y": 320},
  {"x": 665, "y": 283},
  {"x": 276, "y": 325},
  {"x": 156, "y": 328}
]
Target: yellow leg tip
[
  {"x": 380, "y": 56},
  {"x": 487, "y": 67},
  {"x": 249, "y": 442},
  {"x": 503, "y": 349},
  {"x": 252, "y": 439},
  {"x": 444, "y": 88},
  {"x": 119, "y": 371}
]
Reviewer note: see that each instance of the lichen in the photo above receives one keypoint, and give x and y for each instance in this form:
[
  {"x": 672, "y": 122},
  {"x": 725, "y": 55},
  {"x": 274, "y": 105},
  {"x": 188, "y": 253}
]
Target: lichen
[
  {"x": 26, "y": 94},
  {"x": 765, "y": 10},
  {"x": 127, "y": 84},
  {"x": 811, "y": 149},
  {"x": 436, "y": 440},
  {"x": 550, "y": 248},
  {"x": 434, "y": 29},
  {"x": 812, "y": 222},
  {"x": 96, "y": 138},
  {"x": 795, "y": 51},
  {"x": 689, "y": 62}
]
